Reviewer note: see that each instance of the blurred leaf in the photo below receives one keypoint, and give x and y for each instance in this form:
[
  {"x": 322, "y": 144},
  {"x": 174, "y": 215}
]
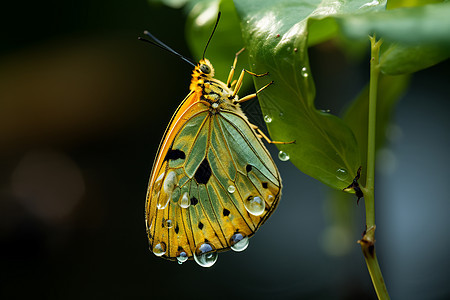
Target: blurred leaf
[
  {"x": 420, "y": 35},
  {"x": 322, "y": 24},
  {"x": 409, "y": 3},
  {"x": 390, "y": 89},
  {"x": 170, "y": 3},
  {"x": 428, "y": 24},
  {"x": 227, "y": 39},
  {"x": 400, "y": 59},
  {"x": 276, "y": 35}
]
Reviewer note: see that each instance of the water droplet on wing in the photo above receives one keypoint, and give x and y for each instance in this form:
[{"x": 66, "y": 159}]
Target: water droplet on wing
[
  {"x": 239, "y": 242},
  {"x": 159, "y": 249},
  {"x": 231, "y": 189},
  {"x": 255, "y": 205},
  {"x": 185, "y": 202},
  {"x": 205, "y": 255},
  {"x": 182, "y": 257}
]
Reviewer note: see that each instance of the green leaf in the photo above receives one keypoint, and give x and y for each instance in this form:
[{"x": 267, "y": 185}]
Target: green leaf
[
  {"x": 390, "y": 90},
  {"x": 275, "y": 33}
]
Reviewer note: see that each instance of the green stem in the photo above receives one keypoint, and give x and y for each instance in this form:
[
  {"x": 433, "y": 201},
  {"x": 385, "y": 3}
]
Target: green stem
[{"x": 368, "y": 240}]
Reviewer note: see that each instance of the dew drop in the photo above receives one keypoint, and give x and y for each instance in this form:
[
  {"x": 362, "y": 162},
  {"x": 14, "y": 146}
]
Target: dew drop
[
  {"x": 281, "y": 115},
  {"x": 205, "y": 255},
  {"x": 168, "y": 224},
  {"x": 182, "y": 257},
  {"x": 267, "y": 119},
  {"x": 255, "y": 205},
  {"x": 238, "y": 242},
  {"x": 270, "y": 198},
  {"x": 304, "y": 72},
  {"x": 159, "y": 249},
  {"x": 163, "y": 205},
  {"x": 215, "y": 105},
  {"x": 231, "y": 189},
  {"x": 170, "y": 182},
  {"x": 283, "y": 156},
  {"x": 160, "y": 177},
  {"x": 185, "y": 202},
  {"x": 342, "y": 174}
]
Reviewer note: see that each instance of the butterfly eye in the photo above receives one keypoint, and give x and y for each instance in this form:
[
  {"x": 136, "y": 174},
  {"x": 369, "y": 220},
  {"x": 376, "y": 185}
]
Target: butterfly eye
[{"x": 205, "y": 69}]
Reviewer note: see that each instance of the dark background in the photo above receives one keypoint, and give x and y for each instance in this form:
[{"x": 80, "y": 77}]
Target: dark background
[{"x": 83, "y": 106}]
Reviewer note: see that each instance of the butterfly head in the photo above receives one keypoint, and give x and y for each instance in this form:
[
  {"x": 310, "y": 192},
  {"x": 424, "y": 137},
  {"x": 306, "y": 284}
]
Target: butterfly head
[{"x": 204, "y": 68}]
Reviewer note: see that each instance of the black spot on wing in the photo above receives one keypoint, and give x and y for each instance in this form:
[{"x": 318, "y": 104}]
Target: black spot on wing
[
  {"x": 203, "y": 172},
  {"x": 265, "y": 185},
  {"x": 226, "y": 212},
  {"x": 174, "y": 154},
  {"x": 194, "y": 201},
  {"x": 200, "y": 225},
  {"x": 248, "y": 168}
]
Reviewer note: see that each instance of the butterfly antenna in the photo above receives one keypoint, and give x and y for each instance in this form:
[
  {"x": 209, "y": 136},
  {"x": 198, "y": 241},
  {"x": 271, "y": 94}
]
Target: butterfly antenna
[
  {"x": 212, "y": 33},
  {"x": 158, "y": 43}
]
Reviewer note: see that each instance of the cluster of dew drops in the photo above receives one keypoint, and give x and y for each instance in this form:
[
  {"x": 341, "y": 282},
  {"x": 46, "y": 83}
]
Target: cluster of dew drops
[{"x": 205, "y": 255}]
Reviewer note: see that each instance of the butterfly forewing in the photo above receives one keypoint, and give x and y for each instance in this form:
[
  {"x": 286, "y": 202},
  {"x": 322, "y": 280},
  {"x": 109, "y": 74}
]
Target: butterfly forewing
[{"x": 212, "y": 178}]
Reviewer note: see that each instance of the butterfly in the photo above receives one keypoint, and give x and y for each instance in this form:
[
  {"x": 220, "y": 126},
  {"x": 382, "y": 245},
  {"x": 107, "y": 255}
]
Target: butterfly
[{"x": 213, "y": 182}]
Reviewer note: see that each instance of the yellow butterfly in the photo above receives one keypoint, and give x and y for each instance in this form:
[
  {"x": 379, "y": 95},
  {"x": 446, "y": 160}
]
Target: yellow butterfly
[{"x": 213, "y": 182}]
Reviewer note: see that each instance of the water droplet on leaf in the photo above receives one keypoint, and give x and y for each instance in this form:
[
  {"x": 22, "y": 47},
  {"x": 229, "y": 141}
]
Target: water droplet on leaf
[
  {"x": 342, "y": 174},
  {"x": 304, "y": 72},
  {"x": 267, "y": 119},
  {"x": 283, "y": 156}
]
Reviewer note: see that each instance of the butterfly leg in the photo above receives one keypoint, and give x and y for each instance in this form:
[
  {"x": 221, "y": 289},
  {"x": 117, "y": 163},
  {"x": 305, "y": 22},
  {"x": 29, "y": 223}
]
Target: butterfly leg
[
  {"x": 261, "y": 135},
  {"x": 251, "y": 96},
  {"x": 230, "y": 83},
  {"x": 230, "y": 76}
]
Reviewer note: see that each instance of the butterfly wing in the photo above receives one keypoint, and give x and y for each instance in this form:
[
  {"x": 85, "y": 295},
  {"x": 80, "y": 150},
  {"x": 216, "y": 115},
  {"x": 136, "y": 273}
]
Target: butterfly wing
[{"x": 213, "y": 179}]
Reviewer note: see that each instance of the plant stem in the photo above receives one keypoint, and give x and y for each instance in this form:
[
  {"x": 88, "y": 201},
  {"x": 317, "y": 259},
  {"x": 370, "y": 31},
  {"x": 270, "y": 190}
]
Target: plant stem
[{"x": 368, "y": 241}]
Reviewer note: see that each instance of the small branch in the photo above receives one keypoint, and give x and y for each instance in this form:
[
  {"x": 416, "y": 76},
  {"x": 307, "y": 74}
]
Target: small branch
[{"x": 368, "y": 241}]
